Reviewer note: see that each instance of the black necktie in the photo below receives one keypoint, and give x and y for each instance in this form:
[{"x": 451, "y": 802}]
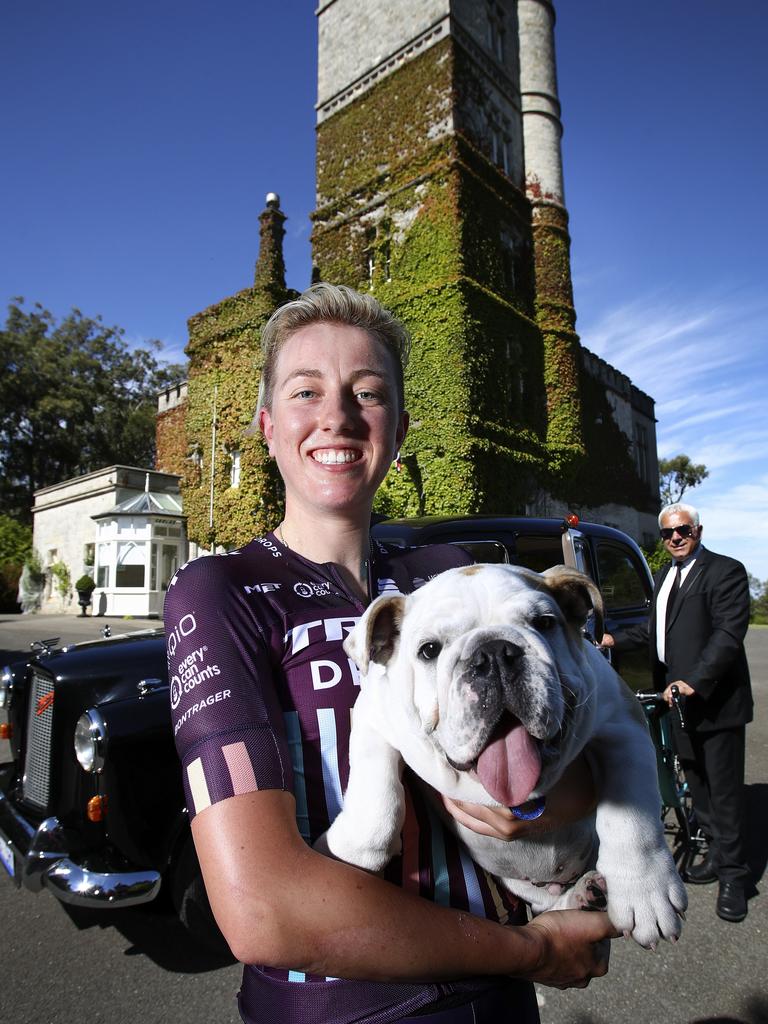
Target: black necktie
[{"x": 674, "y": 591}]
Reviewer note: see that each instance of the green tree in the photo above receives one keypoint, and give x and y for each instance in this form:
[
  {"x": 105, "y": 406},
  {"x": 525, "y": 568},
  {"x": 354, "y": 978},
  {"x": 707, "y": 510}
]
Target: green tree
[
  {"x": 15, "y": 540},
  {"x": 758, "y": 593},
  {"x": 73, "y": 398},
  {"x": 15, "y": 548},
  {"x": 656, "y": 557},
  {"x": 677, "y": 475}
]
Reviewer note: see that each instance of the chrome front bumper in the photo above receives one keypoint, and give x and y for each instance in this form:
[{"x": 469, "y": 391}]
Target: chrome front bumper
[{"x": 40, "y": 858}]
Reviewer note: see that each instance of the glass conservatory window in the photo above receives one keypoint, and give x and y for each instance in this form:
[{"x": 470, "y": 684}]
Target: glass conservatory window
[
  {"x": 130, "y": 564},
  {"x": 169, "y": 563},
  {"x": 102, "y": 565}
]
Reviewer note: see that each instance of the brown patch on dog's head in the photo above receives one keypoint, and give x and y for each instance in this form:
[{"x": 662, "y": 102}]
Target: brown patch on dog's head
[
  {"x": 470, "y": 570},
  {"x": 577, "y": 595},
  {"x": 376, "y": 636}
]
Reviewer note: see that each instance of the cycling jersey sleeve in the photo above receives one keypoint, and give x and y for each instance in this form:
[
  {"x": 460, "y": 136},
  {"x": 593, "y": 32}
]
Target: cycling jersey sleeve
[{"x": 227, "y": 722}]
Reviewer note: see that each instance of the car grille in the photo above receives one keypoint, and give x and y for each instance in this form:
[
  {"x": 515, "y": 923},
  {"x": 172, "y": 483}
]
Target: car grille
[{"x": 37, "y": 761}]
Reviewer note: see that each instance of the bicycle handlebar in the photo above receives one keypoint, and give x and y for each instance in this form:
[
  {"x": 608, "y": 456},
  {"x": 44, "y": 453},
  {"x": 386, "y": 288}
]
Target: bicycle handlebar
[{"x": 651, "y": 697}]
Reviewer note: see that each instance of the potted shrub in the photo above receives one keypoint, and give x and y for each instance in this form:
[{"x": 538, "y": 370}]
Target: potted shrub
[{"x": 85, "y": 587}]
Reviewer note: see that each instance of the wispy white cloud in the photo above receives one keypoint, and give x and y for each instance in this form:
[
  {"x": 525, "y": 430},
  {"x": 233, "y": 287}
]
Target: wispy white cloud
[
  {"x": 704, "y": 359},
  {"x": 171, "y": 349},
  {"x": 735, "y": 521}
]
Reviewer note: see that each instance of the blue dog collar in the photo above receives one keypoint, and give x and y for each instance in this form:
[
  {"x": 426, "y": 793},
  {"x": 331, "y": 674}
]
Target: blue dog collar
[{"x": 530, "y": 810}]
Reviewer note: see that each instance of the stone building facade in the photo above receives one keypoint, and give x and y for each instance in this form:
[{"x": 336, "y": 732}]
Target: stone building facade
[{"x": 121, "y": 525}]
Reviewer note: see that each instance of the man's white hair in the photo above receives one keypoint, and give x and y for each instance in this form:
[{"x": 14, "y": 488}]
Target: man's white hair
[{"x": 680, "y": 506}]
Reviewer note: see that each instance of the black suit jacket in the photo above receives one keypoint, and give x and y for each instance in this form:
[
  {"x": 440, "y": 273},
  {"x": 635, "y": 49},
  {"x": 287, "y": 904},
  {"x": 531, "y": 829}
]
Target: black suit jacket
[{"x": 705, "y": 642}]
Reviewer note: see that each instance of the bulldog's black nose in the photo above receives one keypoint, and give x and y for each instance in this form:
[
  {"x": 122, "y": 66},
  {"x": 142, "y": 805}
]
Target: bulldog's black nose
[{"x": 495, "y": 658}]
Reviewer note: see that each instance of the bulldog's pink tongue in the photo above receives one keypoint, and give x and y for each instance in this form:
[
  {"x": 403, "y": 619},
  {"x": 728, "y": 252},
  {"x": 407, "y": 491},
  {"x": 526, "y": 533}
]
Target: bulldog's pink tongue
[{"x": 510, "y": 765}]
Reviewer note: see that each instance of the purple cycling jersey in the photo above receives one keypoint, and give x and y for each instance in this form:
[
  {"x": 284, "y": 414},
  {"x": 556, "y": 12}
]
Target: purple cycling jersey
[{"x": 261, "y": 697}]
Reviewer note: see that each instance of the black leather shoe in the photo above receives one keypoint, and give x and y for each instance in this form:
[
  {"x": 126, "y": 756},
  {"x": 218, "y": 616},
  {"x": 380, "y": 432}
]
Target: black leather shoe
[
  {"x": 701, "y": 874},
  {"x": 731, "y": 902}
]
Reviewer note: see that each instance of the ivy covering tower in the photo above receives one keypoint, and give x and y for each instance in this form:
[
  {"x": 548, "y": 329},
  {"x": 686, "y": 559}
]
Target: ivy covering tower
[
  {"x": 439, "y": 188},
  {"x": 229, "y": 485}
]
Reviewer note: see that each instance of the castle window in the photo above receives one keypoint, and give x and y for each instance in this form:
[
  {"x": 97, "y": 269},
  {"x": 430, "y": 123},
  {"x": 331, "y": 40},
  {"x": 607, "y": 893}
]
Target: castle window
[
  {"x": 515, "y": 383},
  {"x": 508, "y": 260},
  {"x": 378, "y": 252},
  {"x": 496, "y": 31},
  {"x": 370, "y": 254},
  {"x": 500, "y": 146},
  {"x": 641, "y": 452},
  {"x": 234, "y": 468},
  {"x": 386, "y": 259}
]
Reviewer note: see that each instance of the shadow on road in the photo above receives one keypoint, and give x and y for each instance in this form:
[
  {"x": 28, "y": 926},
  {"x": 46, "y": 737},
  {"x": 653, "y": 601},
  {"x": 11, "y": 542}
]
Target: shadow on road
[
  {"x": 756, "y": 797},
  {"x": 755, "y": 1012},
  {"x": 156, "y": 934}
]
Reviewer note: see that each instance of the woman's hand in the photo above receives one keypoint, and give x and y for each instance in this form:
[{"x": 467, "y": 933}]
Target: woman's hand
[
  {"x": 575, "y": 947},
  {"x": 573, "y": 798}
]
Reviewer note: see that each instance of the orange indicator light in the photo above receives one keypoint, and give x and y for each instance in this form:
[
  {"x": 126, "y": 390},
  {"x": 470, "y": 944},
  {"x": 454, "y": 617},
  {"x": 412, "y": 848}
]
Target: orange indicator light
[{"x": 97, "y": 808}]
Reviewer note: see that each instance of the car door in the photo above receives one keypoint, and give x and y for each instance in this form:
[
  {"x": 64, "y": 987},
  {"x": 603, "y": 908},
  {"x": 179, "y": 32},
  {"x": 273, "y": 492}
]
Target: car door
[{"x": 627, "y": 591}]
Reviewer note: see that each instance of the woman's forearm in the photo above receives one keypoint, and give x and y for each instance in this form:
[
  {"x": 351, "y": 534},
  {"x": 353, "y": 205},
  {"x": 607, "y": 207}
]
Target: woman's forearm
[{"x": 282, "y": 904}]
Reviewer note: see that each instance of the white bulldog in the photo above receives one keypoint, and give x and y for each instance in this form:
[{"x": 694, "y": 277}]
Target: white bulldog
[{"x": 483, "y": 684}]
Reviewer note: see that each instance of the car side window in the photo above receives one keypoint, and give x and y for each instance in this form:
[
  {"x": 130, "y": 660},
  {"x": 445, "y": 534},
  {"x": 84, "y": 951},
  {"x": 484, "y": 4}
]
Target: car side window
[
  {"x": 621, "y": 581},
  {"x": 539, "y": 552},
  {"x": 483, "y": 550}
]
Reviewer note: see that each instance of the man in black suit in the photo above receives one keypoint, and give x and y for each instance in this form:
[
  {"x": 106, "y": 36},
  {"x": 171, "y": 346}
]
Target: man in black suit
[{"x": 696, "y": 636}]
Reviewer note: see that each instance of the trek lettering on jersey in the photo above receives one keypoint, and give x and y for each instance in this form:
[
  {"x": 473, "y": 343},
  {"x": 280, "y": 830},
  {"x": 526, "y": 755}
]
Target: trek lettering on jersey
[
  {"x": 328, "y": 629},
  {"x": 325, "y": 673}
]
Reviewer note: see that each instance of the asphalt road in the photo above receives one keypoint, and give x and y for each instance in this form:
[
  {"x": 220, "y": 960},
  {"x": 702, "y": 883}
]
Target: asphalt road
[{"x": 61, "y": 965}]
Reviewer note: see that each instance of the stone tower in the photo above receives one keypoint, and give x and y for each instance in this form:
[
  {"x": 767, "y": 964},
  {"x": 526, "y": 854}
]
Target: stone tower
[
  {"x": 229, "y": 485},
  {"x": 439, "y": 187}
]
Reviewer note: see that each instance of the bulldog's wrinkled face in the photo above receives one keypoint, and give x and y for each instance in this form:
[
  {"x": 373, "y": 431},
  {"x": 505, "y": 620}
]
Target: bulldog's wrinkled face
[{"x": 489, "y": 657}]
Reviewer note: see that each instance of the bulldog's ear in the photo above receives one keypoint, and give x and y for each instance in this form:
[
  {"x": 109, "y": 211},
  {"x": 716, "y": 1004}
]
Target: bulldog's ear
[
  {"x": 375, "y": 636},
  {"x": 577, "y": 595}
]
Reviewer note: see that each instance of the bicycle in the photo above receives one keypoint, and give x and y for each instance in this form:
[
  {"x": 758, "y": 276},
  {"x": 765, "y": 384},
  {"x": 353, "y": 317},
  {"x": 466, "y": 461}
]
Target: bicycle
[{"x": 676, "y": 806}]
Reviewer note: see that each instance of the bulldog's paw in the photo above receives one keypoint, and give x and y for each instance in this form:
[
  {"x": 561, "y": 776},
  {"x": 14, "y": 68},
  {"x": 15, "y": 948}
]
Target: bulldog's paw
[
  {"x": 650, "y": 907},
  {"x": 590, "y": 892},
  {"x": 340, "y": 845},
  {"x": 587, "y": 893}
]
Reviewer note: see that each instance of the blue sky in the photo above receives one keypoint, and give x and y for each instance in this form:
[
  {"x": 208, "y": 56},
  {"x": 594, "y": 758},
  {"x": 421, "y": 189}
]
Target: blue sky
[{"x": 139, "y": 141}]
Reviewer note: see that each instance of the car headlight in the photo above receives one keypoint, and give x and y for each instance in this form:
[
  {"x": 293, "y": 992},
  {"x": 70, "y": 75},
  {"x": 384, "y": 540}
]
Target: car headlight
[
  {"x": 91, "y": 741},
  {"x": 6, "y": 684}
]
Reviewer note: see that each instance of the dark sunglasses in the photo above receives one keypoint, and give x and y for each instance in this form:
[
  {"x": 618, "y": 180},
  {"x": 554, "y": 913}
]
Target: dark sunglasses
[{"x": 685, "y": 530}]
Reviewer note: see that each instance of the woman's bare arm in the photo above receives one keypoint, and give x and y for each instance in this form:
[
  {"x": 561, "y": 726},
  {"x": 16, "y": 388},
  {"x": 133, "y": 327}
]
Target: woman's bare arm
[{"x": 280, "y": 903}]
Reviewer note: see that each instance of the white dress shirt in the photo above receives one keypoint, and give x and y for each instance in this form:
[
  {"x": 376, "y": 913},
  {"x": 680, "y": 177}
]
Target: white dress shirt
[{"x": 663, "y": 598}]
